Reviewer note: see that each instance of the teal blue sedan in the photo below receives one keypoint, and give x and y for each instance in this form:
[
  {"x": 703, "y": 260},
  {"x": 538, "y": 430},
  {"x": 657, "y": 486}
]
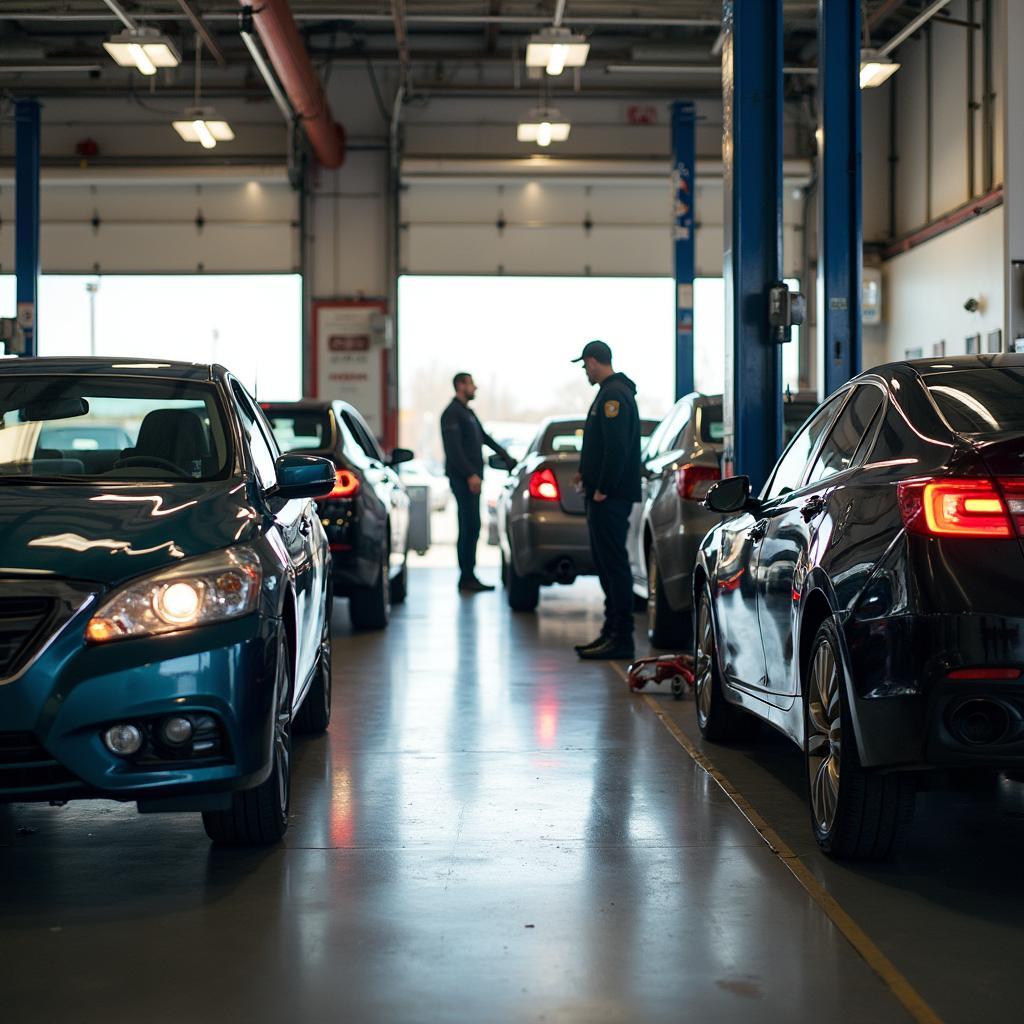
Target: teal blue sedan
[{"x": 165, "y": 602}]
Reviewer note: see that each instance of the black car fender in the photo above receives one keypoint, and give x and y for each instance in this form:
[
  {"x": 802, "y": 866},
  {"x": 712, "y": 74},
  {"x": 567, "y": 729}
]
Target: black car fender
[{"x": 817, "y": 604}]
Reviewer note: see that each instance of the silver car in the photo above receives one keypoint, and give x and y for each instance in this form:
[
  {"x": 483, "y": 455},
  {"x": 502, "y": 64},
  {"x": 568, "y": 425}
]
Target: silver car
[
  {"x": 682, "y": 460},
  {"x": 541, "y": 517}
]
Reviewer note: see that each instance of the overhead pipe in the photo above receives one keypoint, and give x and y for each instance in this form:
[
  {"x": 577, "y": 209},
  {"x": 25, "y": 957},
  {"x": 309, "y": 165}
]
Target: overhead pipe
[{"x": 290, "y": 60}]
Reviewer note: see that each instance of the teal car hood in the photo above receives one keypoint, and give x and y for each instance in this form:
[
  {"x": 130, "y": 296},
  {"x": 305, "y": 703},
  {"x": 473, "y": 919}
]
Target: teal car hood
[{"x": 108, "y": 533}]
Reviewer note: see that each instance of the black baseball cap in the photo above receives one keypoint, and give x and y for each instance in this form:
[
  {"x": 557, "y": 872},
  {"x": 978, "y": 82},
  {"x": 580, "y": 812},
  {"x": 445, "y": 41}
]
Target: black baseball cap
[{"x": 599, "y": 350}]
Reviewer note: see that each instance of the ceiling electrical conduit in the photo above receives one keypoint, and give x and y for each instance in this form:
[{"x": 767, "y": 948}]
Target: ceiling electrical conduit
[{"x": 290, "y": 60}]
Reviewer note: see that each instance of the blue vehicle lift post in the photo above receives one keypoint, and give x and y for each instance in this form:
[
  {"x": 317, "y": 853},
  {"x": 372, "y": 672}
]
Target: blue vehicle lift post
[
  {"x": 26, "y": 218},
  {"x": 840, "y": 259},
  {"x": 752, "y": 107},
  {"x": 684, "y": 160}
]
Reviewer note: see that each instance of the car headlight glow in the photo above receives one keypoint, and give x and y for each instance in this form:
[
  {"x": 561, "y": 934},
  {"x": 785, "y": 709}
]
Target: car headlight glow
[{"x": 211, "y": 588}]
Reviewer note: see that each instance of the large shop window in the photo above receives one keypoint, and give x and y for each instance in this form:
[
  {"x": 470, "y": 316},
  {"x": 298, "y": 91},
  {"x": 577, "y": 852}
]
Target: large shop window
[{"x": 252, "y": 323}]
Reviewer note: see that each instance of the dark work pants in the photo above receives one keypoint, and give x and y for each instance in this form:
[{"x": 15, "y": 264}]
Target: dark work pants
[
  {"x": 469, "y": 525},
  {"x": 608, "y": 522}
]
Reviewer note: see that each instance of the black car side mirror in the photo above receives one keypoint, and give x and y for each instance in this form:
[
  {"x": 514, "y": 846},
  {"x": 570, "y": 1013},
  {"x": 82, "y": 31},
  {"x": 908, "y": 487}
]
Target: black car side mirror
[
  {"x": 400, "y": 455},
  {"x": 500, "y": 462},
  {"x": 729, "y": 495}
]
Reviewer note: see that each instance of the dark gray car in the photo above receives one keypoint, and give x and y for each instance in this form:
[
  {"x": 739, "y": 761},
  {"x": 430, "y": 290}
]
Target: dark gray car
[
  {"x": 541, "y": 516},
  {"x": 682, "y": 460}
]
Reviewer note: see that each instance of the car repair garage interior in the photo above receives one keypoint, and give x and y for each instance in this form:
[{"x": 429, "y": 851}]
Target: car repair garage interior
[{"x": 511, "y": 510}]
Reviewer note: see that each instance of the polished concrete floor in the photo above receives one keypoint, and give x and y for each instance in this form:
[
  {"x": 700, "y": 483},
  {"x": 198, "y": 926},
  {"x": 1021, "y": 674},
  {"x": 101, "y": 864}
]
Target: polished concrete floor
[{"x": 491, "y": 831}]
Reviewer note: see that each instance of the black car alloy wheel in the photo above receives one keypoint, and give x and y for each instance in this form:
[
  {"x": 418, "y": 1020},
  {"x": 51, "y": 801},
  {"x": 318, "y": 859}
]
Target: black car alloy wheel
[
  {"x": 856, "y": 813},
  {"x": 824, "y": 737}
]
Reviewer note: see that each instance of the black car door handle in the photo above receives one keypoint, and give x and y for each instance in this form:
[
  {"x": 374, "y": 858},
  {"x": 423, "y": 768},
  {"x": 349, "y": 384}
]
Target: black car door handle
[
  {"x": 812, "y": 507},
  {"x": 759, "y": 529}
]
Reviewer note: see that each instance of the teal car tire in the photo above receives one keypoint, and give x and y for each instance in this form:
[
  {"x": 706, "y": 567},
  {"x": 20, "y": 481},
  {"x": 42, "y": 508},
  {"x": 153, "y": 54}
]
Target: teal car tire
[{"x": 259, "y": 816}]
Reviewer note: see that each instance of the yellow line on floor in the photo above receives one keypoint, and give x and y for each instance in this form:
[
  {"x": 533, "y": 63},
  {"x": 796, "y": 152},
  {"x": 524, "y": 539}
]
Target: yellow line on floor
[{"x": 907, "y": 995}]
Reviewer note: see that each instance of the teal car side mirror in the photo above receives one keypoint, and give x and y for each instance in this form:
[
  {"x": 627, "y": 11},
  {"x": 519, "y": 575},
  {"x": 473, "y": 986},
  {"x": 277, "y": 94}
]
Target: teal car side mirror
[{"x": 303, "y": 476}]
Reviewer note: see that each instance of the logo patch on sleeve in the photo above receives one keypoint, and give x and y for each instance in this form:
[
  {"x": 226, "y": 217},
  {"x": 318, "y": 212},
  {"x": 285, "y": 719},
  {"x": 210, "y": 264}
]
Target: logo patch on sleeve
[{"x": 611, "y": 409}]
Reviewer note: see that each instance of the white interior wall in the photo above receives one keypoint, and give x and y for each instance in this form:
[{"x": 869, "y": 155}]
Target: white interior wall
[{"x": 926, "y": 289}]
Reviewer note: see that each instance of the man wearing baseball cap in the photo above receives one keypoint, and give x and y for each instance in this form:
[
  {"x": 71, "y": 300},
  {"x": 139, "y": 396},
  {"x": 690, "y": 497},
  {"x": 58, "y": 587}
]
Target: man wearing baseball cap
[{"x": 610, "y": 475}]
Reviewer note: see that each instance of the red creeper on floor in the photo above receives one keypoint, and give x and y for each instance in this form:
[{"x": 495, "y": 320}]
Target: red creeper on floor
[{"x": 676, "y": 668}]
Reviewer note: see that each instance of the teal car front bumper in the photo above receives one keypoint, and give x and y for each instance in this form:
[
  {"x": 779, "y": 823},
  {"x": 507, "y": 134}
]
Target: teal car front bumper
[{"x": 55, "y": 710}]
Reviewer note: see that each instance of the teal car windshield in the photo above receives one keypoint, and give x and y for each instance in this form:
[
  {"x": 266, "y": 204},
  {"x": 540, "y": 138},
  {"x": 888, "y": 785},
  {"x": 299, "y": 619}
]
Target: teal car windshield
[{"x": 111, "y": 428}]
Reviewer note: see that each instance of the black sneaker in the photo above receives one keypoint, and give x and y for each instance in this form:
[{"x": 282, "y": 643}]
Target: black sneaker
[
  {"x": 593, "y": 643},
  {"x": 473, "y": 586},
  {"x": 609, "y": 650}
]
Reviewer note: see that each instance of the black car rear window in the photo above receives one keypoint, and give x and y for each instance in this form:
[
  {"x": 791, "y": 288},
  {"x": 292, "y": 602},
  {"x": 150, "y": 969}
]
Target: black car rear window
[
  {"x": 300, "y": 429},
  {"x": 986, "y": 400}
]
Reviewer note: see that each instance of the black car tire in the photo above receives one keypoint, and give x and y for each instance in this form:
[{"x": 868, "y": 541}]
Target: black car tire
[
  {"x": 856, "y": 814},
  {"x": 523, "y": 591},
  {"x": 717, "y": 719},
  {"x": 666, "y": 628},
  {"x": 315, "y": 714},
  {"x": 259, "y": 816},
  {"x": 504, "y": 570},
  {"x": 400, "y": 584},
  {"x": 370, "y": 607}
]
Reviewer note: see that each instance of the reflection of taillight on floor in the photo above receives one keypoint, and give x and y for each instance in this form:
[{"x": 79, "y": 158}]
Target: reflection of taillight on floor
[
  {"x": 693, "y": 482},
  {"x": 544, "y": 486},
  {"x": 346, "y": 485},
  {"x": 946, "y": 507}
]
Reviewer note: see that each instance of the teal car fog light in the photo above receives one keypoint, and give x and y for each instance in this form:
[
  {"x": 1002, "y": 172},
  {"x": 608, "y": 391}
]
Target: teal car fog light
[
  {"x": 123, "y": 739},
  {"x": 176, "y": 731}
]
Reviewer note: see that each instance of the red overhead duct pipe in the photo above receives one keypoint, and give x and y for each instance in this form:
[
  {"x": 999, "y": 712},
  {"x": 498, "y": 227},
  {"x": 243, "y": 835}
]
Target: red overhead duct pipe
[{"x": 290, "y": 59}]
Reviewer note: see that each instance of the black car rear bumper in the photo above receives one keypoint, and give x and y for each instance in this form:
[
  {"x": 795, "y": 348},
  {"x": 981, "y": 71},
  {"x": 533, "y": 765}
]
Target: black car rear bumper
[{"x": 908, "y": 711}]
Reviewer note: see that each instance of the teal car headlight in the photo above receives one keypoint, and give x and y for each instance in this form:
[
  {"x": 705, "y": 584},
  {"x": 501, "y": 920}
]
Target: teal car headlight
[{"x": 211, "y": 588}]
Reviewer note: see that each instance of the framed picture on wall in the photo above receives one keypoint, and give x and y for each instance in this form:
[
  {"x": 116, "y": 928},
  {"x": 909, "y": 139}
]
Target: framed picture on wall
[
  {"x": 994, "y": 341},
  {"x": 939, "y": 348},
  {"x": 973, "y": 344},
  {"x": 913, "y": 353}
]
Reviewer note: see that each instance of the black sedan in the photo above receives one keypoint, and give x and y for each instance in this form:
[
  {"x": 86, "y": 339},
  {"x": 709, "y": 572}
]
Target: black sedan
[
  {"x": 868, "y": 603},
  {"x": 366, "y": 513}
]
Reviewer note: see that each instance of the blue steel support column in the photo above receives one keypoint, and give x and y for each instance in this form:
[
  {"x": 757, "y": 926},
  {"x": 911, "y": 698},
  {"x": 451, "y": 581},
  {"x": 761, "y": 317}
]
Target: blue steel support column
[
  {"x": 684, "y": 159},
  {"x": 26, "y": 217},
  {"x": 839, "y": 193},
  {"x": 752, "y": 150}
]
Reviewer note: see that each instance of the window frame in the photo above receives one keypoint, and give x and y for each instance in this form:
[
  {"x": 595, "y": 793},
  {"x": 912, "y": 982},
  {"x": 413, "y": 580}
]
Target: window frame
[
  {"x": 839, "y": 400},
  {"x": 249, "y": 409},
  {"x": 859, "y": 447}
]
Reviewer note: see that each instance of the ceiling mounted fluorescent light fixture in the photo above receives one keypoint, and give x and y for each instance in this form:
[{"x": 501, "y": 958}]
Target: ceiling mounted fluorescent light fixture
[
  {"x": 556, "y": 49},
  {"x": 875, "y": 68},
  {"x": 144, "y": 49},
  {"x": 543, "y": 127},
  {"x": 199, "y": 127}
]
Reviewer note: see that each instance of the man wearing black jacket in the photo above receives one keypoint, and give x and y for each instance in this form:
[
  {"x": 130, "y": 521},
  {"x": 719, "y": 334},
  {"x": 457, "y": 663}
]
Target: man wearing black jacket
[
  {"x": 464, "y": 439},
  {"x": 610, "y": 476}
]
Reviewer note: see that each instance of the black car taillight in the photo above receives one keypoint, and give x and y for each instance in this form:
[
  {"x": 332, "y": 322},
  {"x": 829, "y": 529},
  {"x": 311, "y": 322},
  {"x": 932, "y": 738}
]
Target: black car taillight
[
  {"x": 946, "y": 507},
  {"x": 346, "y": 485},
  {"x": 693, "y": 482}
]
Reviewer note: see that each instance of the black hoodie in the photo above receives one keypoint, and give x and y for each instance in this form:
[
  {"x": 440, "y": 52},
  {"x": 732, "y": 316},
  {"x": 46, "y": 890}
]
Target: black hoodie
[{"x": 610, "y": 461}]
